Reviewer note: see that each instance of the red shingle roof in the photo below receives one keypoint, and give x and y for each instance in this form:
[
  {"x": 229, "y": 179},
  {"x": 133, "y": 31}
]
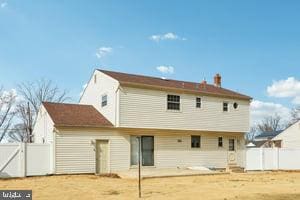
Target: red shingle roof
[
  {"x": 78, "y": 115},
  {"x": 208, "y": 89}
]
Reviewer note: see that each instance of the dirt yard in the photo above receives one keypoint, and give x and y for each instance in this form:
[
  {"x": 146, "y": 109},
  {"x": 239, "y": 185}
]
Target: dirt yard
[{"x": 253, "y": 186}]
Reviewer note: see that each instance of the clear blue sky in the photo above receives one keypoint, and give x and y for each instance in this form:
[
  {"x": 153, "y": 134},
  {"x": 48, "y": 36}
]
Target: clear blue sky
[{"x": 250, "y": 43}]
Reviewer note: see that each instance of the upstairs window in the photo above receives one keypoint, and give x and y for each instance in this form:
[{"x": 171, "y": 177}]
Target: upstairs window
[
  {"x": 173, "y": 102},
  {"x": 220, "y": 142},
  {"x": 104, "y": 100},
  {"x": 95, "y": 79},
  {"x": 195, "y": 141},
  {"x": 198, "y": 102},
  {"x": 235, "y": 105},
  {"x": 225, "y": 106}
]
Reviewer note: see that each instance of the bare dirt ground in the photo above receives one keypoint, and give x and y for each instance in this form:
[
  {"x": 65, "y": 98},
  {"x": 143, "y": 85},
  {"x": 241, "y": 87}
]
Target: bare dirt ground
[{"x": 248, "y": 186}]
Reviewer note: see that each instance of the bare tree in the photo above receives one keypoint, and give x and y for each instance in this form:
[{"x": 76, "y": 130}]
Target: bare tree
[
  {"x": 33, "y": 94},
  {"x": 250, "y": 136},
  {"x": 43, "y": 90},
  {"x": 18, "y": 134},
  {"x": 7, "y": 101},
  {"x": 22, "y": 131},
  {"x": 270, "y": 123},
  {"x": 295, "y": 114}
]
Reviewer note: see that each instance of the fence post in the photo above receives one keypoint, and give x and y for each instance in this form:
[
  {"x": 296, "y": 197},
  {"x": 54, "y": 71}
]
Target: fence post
[
  {"x": 262, "y": 154},
  {"x": 22, "y": 159},
  {"x": 278, "y": 158}
]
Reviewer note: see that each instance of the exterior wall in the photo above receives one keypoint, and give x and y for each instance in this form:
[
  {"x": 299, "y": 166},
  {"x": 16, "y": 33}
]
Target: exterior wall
[
  {"x": 290, "y": 137},
  {"x": 170, "y": 153},
  {"x": 43, "y": 128},
  {"x": 141, "y": 108},
  {"x": 93, "y": 93},
  {"x": 75, "y": 150}
]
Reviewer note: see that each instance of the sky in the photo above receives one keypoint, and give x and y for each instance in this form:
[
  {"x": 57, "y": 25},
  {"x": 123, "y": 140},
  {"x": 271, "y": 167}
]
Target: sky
[{"x": 254, "y": 45}]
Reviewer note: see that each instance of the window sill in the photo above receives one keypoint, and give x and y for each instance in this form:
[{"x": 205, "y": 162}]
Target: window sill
[{"x": 174, "y": 111}]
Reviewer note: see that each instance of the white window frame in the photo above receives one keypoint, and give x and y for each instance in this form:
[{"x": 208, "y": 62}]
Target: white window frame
[
  {"x": 199, "y": 142},
  {"x": 237, "y": 104},
  {"x": 102, "y": 96},
  {"x": 222, "y": 142},
  {"x": 201, "y": 104},
  {"x": 228, "y": 105},
  {"x": 174, "y": 110}
]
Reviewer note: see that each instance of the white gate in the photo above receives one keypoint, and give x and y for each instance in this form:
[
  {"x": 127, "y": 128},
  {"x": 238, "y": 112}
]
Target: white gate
[{"x": 21, "y": 159}]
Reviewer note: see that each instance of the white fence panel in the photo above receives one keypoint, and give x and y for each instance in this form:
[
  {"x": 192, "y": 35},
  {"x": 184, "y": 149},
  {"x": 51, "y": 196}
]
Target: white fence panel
[
  {"x": 37, "y": 159},
  {"x": 19, "y": 160},
  {"x": 272, "y": 159},
  {"x": 10, "y": 160},
  {"x": 254, "y": 159},
  {"x": 289, "y": 159}
]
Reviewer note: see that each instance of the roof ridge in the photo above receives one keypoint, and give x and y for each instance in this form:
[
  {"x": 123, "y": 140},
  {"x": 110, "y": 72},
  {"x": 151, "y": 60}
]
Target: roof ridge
[
  {"x": 172, "y": 83},
  {"x": 167, "y": 79}
]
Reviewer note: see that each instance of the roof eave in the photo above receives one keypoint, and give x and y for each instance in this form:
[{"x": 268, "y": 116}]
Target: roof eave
[{"x": 81, "y": 126}]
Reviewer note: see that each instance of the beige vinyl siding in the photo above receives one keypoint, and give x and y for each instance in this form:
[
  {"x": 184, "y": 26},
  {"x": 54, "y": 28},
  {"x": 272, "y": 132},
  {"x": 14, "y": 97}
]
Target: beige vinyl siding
[
  {"x": 75, "y": 151},
  {"x": 171, "y": 153},
  {"x": 290, "y": 137},
  {"x": 145, "y": 108},
  {"x": 92, "y": 95}
]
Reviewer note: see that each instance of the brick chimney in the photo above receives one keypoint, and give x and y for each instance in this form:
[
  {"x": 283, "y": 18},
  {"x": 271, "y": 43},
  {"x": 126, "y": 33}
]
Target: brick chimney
[
  {"x": 203, "y": 84},
  {"x": 217, "y": 80}
]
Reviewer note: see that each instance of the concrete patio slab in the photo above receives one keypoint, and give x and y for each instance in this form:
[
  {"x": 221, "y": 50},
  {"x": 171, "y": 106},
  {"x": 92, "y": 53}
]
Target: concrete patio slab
[{"x": 161, "y": 173}]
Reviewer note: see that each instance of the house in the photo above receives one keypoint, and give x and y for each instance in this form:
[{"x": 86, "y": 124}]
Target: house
[
  {"x": 179, "y": 124},
  {"x": 289, "y": 138},
  {"x": 264, "y": 140}
]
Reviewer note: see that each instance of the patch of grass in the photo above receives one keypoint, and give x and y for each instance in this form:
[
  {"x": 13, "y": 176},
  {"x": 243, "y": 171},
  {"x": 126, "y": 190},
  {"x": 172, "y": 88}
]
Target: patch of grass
[
  {"x": 110, "y": 175},
  {"x": 112, "y": 192}
]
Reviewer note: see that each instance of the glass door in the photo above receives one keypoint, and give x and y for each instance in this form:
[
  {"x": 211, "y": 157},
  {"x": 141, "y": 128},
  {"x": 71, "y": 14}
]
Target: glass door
[{"x": 147, "y": 150}]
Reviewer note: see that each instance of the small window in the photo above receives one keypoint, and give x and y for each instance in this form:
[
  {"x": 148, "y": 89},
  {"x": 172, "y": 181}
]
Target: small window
[
  {"x": 198, "y": 102},
  {"x": 195, "y": 141},
  {"x": 104, "y": 100},
  {"x": 220, "y": 142},
  {"x": 235, "y": 105},
  {"x": 95, "y": 78},
  {"x": 231, "y": 145},
  {"x": 173, "y": 102},
  {"x": 225, "y": 106}
]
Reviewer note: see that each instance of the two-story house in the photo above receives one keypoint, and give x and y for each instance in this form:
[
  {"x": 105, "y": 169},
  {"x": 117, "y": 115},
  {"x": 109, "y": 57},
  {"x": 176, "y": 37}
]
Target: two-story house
[{"x": 179, "y": 123}]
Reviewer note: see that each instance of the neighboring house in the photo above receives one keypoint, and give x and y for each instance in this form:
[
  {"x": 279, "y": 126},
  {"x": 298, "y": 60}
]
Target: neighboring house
[
  {"x": 289, "y": 138},
  {"x": 181, "y": 124},
  {"x": 264, "y": 140}
]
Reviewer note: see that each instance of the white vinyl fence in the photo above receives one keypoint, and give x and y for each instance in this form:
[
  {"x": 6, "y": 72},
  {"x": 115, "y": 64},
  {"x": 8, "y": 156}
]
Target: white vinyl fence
[
  {"x": 272, "y": 159},
  {"x": 21, "y": 159}
]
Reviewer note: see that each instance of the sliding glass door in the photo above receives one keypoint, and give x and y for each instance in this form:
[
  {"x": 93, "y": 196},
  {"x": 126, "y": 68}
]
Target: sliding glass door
[{"x": 147, "y": 150}]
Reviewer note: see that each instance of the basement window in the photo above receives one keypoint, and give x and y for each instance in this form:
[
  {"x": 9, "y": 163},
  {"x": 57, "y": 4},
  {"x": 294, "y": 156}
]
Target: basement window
[
  {"x": 104, "y": 100},
  {"x": 173, "y": 102},
  {"x": 195, "y": 141}
]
